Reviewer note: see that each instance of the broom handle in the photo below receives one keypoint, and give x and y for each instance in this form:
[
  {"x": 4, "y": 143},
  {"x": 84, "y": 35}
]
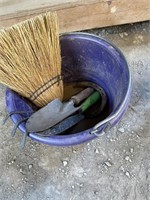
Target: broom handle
[{"x": 82, "y": 95}]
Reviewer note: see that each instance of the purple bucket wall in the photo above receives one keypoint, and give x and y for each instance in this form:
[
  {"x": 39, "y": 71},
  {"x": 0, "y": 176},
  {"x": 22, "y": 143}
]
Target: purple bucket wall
[{"x": 86, "y": 57}]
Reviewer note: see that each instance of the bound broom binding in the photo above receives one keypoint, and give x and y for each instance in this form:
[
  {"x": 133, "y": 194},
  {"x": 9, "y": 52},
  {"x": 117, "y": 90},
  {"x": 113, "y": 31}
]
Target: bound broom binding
[
  {"x": 30, "y": 58},
  {"x": 45, "y": 87}
]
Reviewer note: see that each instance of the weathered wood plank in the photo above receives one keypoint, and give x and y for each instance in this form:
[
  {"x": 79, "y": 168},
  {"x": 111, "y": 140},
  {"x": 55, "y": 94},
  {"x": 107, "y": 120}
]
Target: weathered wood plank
[{"x": 77, "y": 14}]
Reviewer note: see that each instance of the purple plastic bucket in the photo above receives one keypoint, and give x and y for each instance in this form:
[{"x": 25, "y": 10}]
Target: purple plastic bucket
[{"x": 85, "y": 57}]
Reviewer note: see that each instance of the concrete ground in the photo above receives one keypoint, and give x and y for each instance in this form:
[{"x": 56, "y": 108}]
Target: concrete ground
[{"x": 115, "y": 166}]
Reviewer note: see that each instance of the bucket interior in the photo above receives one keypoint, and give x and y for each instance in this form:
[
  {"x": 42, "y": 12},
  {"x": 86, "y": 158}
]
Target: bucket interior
[{"x": 94, "y": 60}]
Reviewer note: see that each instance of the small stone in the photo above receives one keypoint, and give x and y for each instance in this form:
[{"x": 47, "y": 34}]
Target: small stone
[
  {"x": 32, "y": 149},
  {"x": 125, "y": 33},
  {"x": 96, "y": 151},
  {"x": 30, "y": 166},
  {"x": 72, "y": 187},
  {"x": 108, "y": 164},
  {"x": 121, "y": 35},
  {"x": 65, "y": 163},
  {"x": 112, "y": 140},
  {"x": 103, "y": 31},
  {"x": 21, "y": 171},
  {"x": 127, "y": 174},
  {"x": 121, "y": 168},
  {"x": 121, "y": 130},
  {"x": 127, "y": 158},
  {"x": 131, "y": 150},
  {"x": 96, "y": 192},
  {"x": 74, "y": 151},
  {"x": 85, "y": 174},
  {"x": 108, "y": 136}
]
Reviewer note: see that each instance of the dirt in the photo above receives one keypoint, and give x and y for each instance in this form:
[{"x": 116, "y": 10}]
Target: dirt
[{"x": 116, "y": 166}]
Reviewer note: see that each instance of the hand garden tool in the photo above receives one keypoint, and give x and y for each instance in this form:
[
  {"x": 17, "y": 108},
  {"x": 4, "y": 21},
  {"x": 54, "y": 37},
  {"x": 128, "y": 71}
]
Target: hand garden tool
[
  {"x": 62, "y": 126},
  {"x": 30, "y": 60},
  {"x": 70, "y": 121},
  {"x": 55, "y": 111},
  {"x": 85, "y": 84}
]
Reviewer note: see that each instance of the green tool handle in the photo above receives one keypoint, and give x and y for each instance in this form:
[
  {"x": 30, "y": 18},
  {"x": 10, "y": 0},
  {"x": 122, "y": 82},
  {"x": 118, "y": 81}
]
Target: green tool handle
[{"x": 92, "y": 99}]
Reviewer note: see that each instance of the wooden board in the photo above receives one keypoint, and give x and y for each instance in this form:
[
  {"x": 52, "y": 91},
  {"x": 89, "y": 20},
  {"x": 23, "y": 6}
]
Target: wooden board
[{"x": 77, "y": 14}]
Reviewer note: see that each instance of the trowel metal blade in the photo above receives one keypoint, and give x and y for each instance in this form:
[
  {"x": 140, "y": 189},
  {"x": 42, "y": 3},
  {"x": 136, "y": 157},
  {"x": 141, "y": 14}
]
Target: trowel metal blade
[{"x": 50, "y": 115}]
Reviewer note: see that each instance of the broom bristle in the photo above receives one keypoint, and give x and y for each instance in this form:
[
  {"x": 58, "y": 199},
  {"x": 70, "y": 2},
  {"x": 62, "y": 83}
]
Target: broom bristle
[{"x": 30, "y": 61}]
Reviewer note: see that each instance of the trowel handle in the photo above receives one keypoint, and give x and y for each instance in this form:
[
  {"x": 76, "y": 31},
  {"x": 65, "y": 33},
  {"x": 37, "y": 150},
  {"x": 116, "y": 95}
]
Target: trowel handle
[
  {"x": 82, "y": 95},
  {"x": 91, "y": 100}
]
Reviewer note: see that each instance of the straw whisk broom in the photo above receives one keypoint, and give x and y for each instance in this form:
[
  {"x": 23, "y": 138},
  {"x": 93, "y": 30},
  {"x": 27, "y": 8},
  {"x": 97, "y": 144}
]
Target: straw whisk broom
[{"x": 30, "y": 60}]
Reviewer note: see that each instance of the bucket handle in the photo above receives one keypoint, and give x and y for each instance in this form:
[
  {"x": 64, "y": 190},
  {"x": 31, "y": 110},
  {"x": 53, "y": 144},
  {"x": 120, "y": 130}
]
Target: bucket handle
[
  {"x": 101, "y": 128},
  {"x": 105, "y": 125}
]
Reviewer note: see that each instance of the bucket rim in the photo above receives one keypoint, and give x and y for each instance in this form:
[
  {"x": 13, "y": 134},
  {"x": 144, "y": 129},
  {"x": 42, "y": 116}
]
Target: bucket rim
[{"x": 84, "y": 136}]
